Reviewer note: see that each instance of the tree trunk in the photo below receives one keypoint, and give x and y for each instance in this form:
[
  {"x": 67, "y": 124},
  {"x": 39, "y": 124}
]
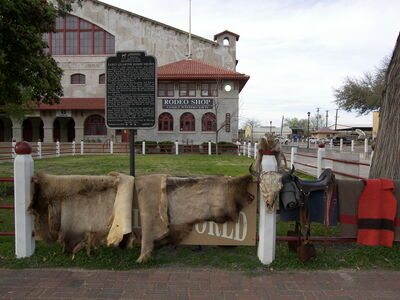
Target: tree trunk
[{"x": 386, "y": 159}]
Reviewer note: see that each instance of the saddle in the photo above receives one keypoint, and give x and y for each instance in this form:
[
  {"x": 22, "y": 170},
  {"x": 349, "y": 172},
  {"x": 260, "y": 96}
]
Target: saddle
[{"x": 304, "y": 248}]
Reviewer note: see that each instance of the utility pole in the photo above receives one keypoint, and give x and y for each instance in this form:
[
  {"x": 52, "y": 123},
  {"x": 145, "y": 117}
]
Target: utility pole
[
  {"x": 282, "y": 125},
  {"x": 326, "y": 121},
  {"x": 317, "y": 117},
  {"x": 336, "y": 119},
  {"x": 270, "y": 126}
]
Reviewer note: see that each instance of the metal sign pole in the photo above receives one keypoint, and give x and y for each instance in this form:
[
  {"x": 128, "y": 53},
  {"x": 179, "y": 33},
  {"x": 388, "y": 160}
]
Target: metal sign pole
[{"x": 132, "y": 151}]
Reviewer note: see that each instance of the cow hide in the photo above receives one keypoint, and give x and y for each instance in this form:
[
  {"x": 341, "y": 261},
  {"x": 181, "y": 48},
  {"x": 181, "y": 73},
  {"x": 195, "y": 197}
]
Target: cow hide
[
  {"x": 190, "y": 201},
  {"x": 82, "y": 211}
]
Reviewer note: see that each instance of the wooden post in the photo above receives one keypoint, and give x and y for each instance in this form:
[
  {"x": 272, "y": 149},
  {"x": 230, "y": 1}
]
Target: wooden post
[
  {"x": 320, "y": 158},
  {"x": 73, "y": 147},
  {"x": 267, "y": 221},
  {"x": 249, "y": 149},
  {"x": 143, "y": 147},
  {"x": 352, "y": 146},
  {"x": 111, "y": 147},
  {"x": 23, "y": 172},
  {"x": 58, "y": 152},
  {"x": 176, "y": 147},
  {"x": 209, "y": 147},
  {"x": 293, "y": 152},
  {"x": 39, "y": 149},
  {"x": 81, "y": 147},
  {"x": 255, "y": 150},
  {"x": 341, "y": 145}
]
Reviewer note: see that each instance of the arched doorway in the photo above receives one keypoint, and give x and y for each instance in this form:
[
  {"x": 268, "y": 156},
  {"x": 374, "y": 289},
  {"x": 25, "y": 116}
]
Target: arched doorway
[
  {"x": 27, "y": 130},
  {"x": 64, "y": 129},
  {"x": 32, "y": 129}
]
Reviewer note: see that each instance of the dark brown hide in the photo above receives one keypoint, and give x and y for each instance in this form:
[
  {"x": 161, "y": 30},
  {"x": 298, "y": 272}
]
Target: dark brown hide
[{"x": 190, "y": 201}]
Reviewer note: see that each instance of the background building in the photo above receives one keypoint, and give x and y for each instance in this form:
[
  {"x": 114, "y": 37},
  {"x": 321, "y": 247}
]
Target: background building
[{"x": 91, "y": 33}]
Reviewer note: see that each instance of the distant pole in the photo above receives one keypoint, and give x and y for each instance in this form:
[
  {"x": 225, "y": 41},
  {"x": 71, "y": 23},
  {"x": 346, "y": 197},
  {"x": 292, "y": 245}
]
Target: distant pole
[
  {"x": 270, "y": 126},
  {"x": 336, "y": 119},
  {"x": 326, "y": 121},
  {"x": 308, "y": 131},
  {"x": 317, "y": 117},
  {"x": 282, "y": 125},
  {"x": 190, "y": 30}
]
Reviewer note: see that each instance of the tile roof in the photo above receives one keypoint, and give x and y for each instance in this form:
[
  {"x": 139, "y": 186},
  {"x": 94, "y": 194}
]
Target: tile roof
[
  {"x": 76, "y": 104},
  {"x": 192, "y": 69}
]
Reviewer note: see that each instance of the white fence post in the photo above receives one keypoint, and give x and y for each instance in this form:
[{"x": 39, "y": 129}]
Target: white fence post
[
  {"x": 73, "y": 147},
  {"x": 58, "y": 152},
  {"x": 320, "y": 159},
  {"x": 244, "y": 148},
  {"x": 23, "y": 172},
  {"x": 39, "y": 149},
  {"x": 81, "y": 147},
  {"x": 352, "y": 146},
  {"x": 255, "y": 150},
  {"x": 238, "y": 144},
  {"x": 267, "y": 221},
  {"x": 366, "y": 145},
  {"x": 293, "y": 152},
  {"x": 176, "y": 147},
  {"x": 209, "y": 147},
  {"x": 341, "y": 145},
  {"x": 249, "y": 149},
  {"x": 13, "y": 143},
  {"x": 143, "y": 147},
  {"x": 111, "y": 147},
  {"x": 331, "y": 144}
]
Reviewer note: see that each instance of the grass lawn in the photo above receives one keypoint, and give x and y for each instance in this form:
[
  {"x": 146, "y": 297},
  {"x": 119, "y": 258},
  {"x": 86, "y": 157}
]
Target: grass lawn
[{"x": 335, "y": 256}]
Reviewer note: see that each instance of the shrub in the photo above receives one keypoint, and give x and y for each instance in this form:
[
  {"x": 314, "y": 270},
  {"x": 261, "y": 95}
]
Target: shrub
[
  {"x": 166, "y": 146},
  {"x": 226, "y": 147}
]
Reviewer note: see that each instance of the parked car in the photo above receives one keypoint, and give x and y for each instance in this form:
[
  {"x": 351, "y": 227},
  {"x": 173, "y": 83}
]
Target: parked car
[
  {"x": 324, "y": 140},
  {"x": 336, "y": 140},
  {"x": 283, "y": 140},
  {"x": 313, "y": 140}
]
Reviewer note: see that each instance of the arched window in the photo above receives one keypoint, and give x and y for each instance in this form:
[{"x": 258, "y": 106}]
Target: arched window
[
  {"x": 208, "y": 122},
  {"x": 78, "y": 79},
  {"x": 102, "y": 78},
  {"x": 165, "y": 122},
  {"x": 95, "y": 125},
  {"x": 187, "y": 122},
  {"x": 75, "y": 36}
]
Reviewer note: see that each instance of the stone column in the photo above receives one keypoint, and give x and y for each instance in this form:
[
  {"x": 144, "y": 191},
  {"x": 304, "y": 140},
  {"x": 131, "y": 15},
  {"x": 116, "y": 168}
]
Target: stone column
[
  {"x": 48, "y": 129},
  {"x": 17, "y": 129}
]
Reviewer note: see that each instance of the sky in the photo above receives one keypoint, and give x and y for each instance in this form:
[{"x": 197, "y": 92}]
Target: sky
[{"x": 295, "y": 51}]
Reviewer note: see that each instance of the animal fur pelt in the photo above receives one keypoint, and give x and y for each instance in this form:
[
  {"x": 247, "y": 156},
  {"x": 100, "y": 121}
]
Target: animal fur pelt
[
  {"x": 86, "y": 211},
  {"x": 82, "y": 211},
  {"x": 189, "y": 201},
  {"x": 269, "y": 143}
]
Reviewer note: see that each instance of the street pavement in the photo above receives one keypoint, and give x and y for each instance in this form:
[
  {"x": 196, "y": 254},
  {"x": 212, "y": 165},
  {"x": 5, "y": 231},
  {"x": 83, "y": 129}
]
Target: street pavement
[{"x": 184, "y": 283}]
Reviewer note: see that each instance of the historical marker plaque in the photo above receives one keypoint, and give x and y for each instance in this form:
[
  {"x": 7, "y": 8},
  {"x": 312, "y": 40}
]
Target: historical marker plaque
[{"x": 131, "y": 90}]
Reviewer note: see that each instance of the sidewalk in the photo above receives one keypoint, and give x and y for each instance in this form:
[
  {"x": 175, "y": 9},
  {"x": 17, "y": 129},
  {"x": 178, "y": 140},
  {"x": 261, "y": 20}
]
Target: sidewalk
[{"x": 197, "y": 284}]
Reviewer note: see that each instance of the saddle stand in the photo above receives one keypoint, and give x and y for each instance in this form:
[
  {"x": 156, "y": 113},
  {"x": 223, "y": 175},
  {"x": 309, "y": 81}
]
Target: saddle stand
[{"x": 304, "y": 248}]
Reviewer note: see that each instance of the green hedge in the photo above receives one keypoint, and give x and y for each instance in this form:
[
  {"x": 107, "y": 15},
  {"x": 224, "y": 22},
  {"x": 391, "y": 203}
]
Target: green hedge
[{"x": 166, "y": 146}]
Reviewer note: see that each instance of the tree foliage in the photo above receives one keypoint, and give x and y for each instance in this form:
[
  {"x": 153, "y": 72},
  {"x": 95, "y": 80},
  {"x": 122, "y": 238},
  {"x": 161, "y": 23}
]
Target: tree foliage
[
  {"x": 28, "y": 75},
  {"x": 364, "y": 94}
]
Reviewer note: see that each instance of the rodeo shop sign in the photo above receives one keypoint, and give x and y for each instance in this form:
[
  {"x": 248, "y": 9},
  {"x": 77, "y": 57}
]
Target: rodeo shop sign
[
  {"x": 187, "y": 103},
  {"x": 131, "y": 90}
]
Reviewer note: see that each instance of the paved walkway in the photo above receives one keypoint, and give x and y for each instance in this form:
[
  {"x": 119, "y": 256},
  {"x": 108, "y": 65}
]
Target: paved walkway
[{"x": 196, "y": 284}]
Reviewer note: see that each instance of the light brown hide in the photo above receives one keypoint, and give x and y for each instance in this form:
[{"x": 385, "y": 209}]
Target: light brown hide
[{"x": 78, "y": 211}]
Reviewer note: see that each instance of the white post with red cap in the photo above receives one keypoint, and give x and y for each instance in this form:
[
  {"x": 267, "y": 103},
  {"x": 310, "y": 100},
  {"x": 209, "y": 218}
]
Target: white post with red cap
[
  {"x": 23, "y": 173},
  {"x": 267, "y": 220}
]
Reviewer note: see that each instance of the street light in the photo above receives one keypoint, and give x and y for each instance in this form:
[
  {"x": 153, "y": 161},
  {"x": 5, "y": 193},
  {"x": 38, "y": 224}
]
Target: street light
[
  {"x": 308, "y": 130},
  {"x": 270, "y": 126}
]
